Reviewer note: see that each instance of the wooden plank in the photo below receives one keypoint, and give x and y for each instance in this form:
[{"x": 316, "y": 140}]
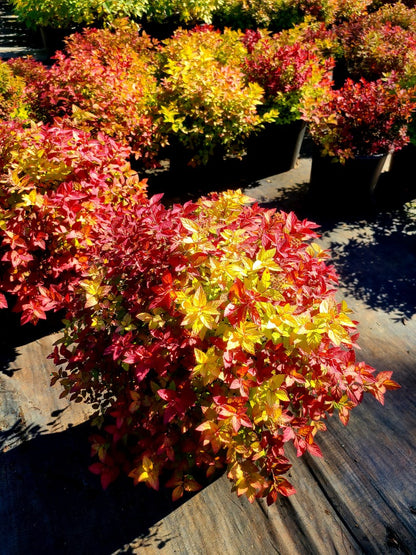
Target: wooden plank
[
  {"x": 216, "y": 521},
  {"x": 373, "y": 460},
  {"x": 30, "y": 406}
]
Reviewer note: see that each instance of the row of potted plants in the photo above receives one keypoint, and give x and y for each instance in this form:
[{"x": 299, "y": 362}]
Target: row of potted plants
[
  {"x": 209, "y": 91},
  {"x": 205, "y": 335},
  {"x": 236, "y": 14},
  {"x": 198, "y": 88}
]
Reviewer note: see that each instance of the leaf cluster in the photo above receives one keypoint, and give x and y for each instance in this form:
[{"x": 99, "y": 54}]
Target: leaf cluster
[
  {"x": 362, "y": 118},
  {"x": 285, "y": 68},
  {"x": 204, "y": 98},
  {"x": 65, "y": 14},
  {"x": 59, "y": 186},
  {"x": 180, "y": 12},
  {"x": 207, "y": 335},
  {"x": 252, "y": 14},
  {"x": 15, "y": 102},
  {"x": 379, "y": 43},
  {"x": 334, "y": 11}
]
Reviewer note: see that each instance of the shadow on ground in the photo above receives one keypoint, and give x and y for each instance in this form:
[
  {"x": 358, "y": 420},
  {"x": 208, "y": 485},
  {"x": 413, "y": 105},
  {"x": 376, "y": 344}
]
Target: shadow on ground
[
  {"x": 376, "y": 261},
  {"x": 13, "y": 334},
  {"x": 58, "y": 506}
]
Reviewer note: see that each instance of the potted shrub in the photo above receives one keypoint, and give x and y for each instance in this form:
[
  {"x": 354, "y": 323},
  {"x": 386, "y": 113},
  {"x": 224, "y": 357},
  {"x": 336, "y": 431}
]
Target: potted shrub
[
  {"x": 284, "y": 14},
  {"x": 208, "y": 109},
  {"x": 208, "y": 336},
  {"x": 376, "y": 4},
  {"x": 163, "y": 17},
  {"x": 286, "y": 69},
  {"x": 332, "y": 11},
  {"x": 105, "y": 82},
  {"x": 59, "y": 18},
  {"x": 354, "y": 128},
  {"x": 59, "y": 186},
  {"x": 401, "y": 14},
  {"x": 254, "y": 14},
  {"x": 383, "y": 42},
  {"x": 378, "y": 43},
  {"x": 402, "y": 162}
]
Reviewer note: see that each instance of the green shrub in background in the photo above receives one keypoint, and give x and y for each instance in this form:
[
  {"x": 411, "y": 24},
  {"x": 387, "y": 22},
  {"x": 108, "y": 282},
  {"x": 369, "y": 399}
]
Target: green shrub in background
[
  {"x": 250, "y": 14},
  {"x": 62, "y": 14},
  {"x": 236, "y": 14},
  {"x": 183, "y": 11}
]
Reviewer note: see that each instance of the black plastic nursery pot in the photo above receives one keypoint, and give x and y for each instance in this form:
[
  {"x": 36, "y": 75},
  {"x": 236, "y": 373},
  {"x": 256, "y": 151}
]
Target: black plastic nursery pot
[
  {"x": 402, "y": 173},
  {"x": 276, "y": 148},
  {"x": 54, "y": 39},
  {"x": 350, "y": 186},
  {"x": 180, "y": 159}
]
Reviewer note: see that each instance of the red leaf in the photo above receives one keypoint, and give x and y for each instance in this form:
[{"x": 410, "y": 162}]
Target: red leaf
[
  {"x": 167, "y": 394},
  {"x": 285, "y": 488},
  {"x": 314, "y": 450},
  {"x": 96, "y": 468},
  {"x": 235, "y": 314}
]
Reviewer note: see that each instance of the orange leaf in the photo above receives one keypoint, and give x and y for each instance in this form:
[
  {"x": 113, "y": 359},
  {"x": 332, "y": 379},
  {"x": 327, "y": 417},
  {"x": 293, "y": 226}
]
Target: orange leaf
[{"x": 177, "y": 493}]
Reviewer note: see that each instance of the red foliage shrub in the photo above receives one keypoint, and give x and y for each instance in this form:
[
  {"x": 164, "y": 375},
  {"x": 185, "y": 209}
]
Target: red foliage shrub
[
  {"x": 373, "y": 46},
  {"x": 208, "y": 335},
  {"x": 59, "y": 187},
  {"x": 285, "y": 69},
  {"x": 105, "y": 82},
  {"x": 360, "y": 119}
]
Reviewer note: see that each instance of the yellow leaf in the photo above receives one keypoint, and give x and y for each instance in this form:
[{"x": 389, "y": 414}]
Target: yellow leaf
[
  {"x": 265, "y": 259},
  {"x": 338, "y": 335},
  {"x": 190, "y": 225},
  {"x": 200, "y": 299},
  {"x": 282, "y": 395},
  {"x": 209, "y": 365},
  {"x": 245, "y": 336}
]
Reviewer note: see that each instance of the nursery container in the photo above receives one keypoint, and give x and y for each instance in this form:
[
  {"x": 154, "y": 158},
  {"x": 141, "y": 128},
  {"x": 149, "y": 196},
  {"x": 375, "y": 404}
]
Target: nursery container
[
  {"x": 276, "y": 148},
  {"x": 350, "y": 185}
]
